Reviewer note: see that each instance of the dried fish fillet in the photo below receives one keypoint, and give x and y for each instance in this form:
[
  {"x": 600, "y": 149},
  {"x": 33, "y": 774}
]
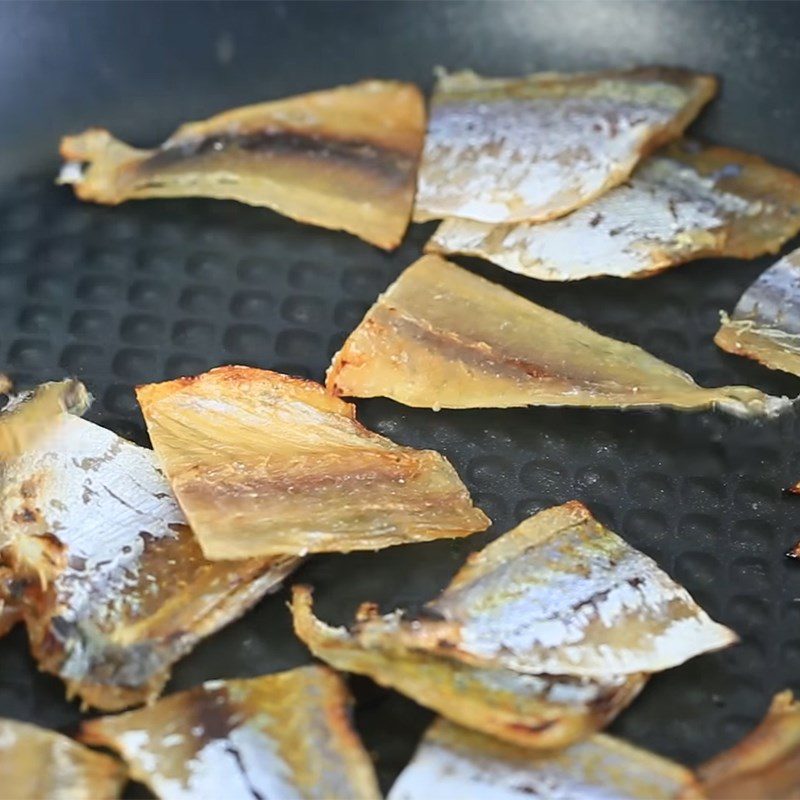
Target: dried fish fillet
[
  {"x": 112, "y": 585},
  {"x": 455, "y": 762},
  {"x": 344, "y": 158},
  {"x": 278, "y": 736},
  {"x": 541, "y": 711},
  {"x": 684, "y": 203},
  {"x": 264, "y": 464},
  {"x": 535, "y": 148},
  {"x": 765, "y": 325},
  {"x": 37, "y": 764},
  {"x": 765, "y": 765},
  {"x": 441, "y": 337}
]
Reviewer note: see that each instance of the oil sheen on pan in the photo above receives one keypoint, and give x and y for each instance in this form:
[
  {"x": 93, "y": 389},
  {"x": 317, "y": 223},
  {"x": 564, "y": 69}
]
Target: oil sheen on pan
[
  {"x": 286, "y": 735},
  {"x": 107, "y": 576},
  {"x": 454, "y": 762},
  {"x": 37, "y": 764},
  {"x": 539, "y": 711},
  {"x": 765, "y": 325},
  {"x": 535, "y": 148},
  {"x": 684, "y": 203},
  {"x": 344, "y": 158},
  {"x": 264, "y": 464},
  {"x": 442, "y": 337}
]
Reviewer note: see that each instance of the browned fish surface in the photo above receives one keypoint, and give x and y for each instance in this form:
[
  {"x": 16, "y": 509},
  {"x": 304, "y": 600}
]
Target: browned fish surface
[
  {"x": 344, "y": 158},
  {"x": 264, "y": 464},
  {"x": 535, "y": 148},
  {"x": 37, "y": 764},
  {"x": 686, "y": 202},
  {"x": 540, "y": 711},
  {"x": 10, "y": 613},
  {"x": 277, "y": 736},
  {"x": 765, "y": 765},
  {"x": 441, "y": 337}
]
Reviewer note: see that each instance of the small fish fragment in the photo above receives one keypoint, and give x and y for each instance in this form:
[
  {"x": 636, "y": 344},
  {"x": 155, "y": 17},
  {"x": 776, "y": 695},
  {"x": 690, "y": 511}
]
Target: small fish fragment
[
  {"x": 458, "y": 763},
  {"x": 684, "y": 203},
  {"x": 286, "y": 735},
  {"x": 442, "y": 337},
  {"x": 765, "y": 325},
  {"x": 38, "y": 764},
  {"x": 539, "y": 711},
  {"x": 6, "y": 384},
  {"x": 343, "y": 158},
  {"x": 765, "y": 765},
  {"x": 10, "y": 613},
  {"x": 535, "y": 148},
  {"x": 264, "y": 464}
]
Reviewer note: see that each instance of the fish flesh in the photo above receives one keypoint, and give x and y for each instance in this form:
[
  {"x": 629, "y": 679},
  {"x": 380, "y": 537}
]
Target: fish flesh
[
  {"x": 535, "y": 148},
  {"x": 343, "y": 158},
  {"x": 286, "y": 735},
  {"x": 442, "y": 337},
  {"x": 263, "y": 464}
]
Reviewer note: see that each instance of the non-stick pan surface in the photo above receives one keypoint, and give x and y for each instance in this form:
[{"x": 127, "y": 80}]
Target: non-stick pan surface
[{"x": 152, "y": 290}]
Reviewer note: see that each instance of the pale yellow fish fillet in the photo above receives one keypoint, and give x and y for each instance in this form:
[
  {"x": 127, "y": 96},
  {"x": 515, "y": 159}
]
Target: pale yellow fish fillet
[
  {"x": 535, "y": 148},
  {"x": 442, "y": 337},
  {"x": 38, "y": 764},
  {"x": 539, "y": 711},
  {"x": 264, "y": 464},
  {"x": 453, "y": 762},
  {"x": 279, "y": 736},
  {"x": 343, "y": 158},
  {"x": 684, "y": 203}
]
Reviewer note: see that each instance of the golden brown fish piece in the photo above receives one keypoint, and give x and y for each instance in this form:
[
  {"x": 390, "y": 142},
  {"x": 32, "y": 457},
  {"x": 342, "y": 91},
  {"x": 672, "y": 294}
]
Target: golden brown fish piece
[
  {"x": 686, "y": 202},
  {"x": 6, "y": 384},
  {"x": 278, "y": 736},
  {"x": 441, "y": 337},
  {"x": 540, "y": 711},
  {"x": 343, "y": 158},
  {"x": 535, "y": 148},
  {"x": 264, "y": 464},
  {"x": 452, "y": 762},
  {"x": 765, "y": 765},
  {"x": 38, "y": 764}
]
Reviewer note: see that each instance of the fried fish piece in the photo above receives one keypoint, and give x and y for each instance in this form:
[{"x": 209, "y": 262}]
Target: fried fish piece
[
  {"x": 110, "y": 581},
  {"x": 535, "y": 148},
  {"x": 765, "y": 325},
  {"x": 277, "y": 736},
  {"x": 541, "y": 711},
  {"x": 765, "y": 765},
  {"x": 442, "y": 337},
  {"x": 686, "y": 202},
  {"x": 38, "y": 764},
  {"x": 263, "y": 464},
  {"x": 454, "y": 762},
  {"x": 343, "y": 158}
]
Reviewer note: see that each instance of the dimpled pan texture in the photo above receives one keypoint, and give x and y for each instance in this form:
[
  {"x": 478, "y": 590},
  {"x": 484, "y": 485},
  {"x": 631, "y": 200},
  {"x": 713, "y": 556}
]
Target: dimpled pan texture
[
  {"x": 38, "y": 764},
  {"x": 686, "y": 202},
  {"x": 264, "y": 464},
  {"x": 535, "y": 148},
  {"x": 454, "y": 762},
  {"x": 345, "y": 158},
  {"x": 442, "y": 337},
  {"x": 281, "y": 736}
]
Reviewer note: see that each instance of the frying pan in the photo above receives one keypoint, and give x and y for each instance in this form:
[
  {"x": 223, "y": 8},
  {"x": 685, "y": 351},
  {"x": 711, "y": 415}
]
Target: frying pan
[{"x": 151, "y": 290}]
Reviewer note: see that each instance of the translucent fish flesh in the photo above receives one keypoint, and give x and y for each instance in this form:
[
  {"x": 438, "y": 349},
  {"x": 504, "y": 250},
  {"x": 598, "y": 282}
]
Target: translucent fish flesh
[
  {"x": 442, "y": 337},
  {"x": 535, "y": 148},
  {"x": 765, "y": 325},
  {"x": 109, "y": 579},
  {"x": 278, "y": 736},
  {"x": 344, "y": 158},
  {"x": 684, "y": 203},
  {"x": 37, "y": 764},
  {"x": 263, "y": 464},
  {"x": 452, "y": 762},
  {"x": 541, "y": 711}
]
